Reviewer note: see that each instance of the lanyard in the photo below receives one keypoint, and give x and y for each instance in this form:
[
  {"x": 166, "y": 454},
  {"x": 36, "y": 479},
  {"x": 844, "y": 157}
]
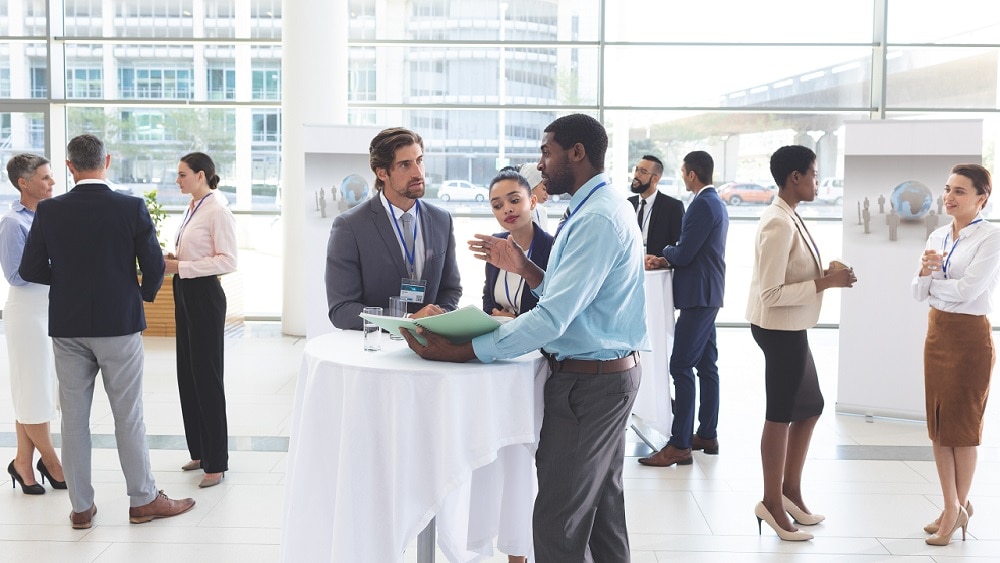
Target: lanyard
[
  {"x": 944, "y": 245},
  {"x": 515, "y": 303},
  {"x": 188, "y": 215},
  {"x": 410, "y": 254},
  {"x": 573, "y": 212}
]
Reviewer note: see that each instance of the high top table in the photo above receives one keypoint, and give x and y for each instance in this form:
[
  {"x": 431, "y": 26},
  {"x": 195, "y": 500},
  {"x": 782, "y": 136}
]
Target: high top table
[
  {"x": 384, "y": 442},
  {"x": 652, "y": 403}
]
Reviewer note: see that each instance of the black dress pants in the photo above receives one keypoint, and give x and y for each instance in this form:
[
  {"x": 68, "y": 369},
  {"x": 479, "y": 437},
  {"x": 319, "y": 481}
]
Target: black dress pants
[{"x": 200, "y": 312}]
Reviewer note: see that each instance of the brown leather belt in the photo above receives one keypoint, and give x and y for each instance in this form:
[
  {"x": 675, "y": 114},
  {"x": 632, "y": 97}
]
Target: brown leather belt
[{"x": 592, "y": 367}]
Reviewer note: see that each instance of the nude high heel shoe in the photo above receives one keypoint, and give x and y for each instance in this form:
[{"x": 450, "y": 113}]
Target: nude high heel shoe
[
  {"x": 763, "y": 515},
  {"x": 934, "y": 526},
  {"x": 800, "y": 516},
  {"x": 961, "y": 522}
]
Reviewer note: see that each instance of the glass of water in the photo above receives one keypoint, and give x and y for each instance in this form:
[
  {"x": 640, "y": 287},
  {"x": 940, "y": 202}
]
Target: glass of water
[
  {"x": 373, "y": 334},
  {"x": 397, "y": 308}
]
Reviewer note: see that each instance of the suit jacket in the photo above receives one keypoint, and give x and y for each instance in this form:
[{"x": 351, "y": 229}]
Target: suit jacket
[
  {"x": 783, "y": 292},
  {"x": 364, "y": 265},
  {"x": 541, "y": 245},
  {"x": 699, "y": 257},
  {"x": 664, "y": 223},
  {"x": 85, "y": 244}
]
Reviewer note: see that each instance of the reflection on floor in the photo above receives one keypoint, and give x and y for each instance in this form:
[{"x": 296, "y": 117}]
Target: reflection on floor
[{"x": 873, "y": 479}]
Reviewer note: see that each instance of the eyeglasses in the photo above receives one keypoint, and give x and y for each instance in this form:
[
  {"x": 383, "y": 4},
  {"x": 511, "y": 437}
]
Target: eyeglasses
[{"x": 642, "y": 171}]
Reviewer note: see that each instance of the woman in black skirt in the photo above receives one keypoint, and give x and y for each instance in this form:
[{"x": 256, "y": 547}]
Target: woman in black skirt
[{"x": 786, "y": 292}]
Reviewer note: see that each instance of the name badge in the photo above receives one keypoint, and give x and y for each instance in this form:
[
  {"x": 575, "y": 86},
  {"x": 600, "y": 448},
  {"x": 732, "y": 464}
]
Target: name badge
[{"x": 412, "y": 291}]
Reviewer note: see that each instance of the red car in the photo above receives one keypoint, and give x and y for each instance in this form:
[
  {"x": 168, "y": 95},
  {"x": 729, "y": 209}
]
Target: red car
[{"x": 735, "y": 193}]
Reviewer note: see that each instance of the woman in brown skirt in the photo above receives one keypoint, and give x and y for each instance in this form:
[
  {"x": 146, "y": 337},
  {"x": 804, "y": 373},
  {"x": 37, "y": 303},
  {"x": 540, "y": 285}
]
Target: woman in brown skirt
[{"x": 958, "y": 273}]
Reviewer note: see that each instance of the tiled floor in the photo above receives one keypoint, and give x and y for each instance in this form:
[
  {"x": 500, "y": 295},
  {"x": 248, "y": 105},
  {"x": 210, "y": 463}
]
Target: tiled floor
[{"x": 873, "y": 479}]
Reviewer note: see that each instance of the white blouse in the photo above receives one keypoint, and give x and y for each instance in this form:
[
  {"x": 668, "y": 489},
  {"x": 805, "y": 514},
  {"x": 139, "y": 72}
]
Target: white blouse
[
  {"x": 971, "y": 269},
  {"x": 509, "y": 284},
  {"x": 206, "y": 241}
]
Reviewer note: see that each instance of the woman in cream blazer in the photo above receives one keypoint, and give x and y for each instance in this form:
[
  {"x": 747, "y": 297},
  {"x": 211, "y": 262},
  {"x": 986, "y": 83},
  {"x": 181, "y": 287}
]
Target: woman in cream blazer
[{"x": 786, "y": 292}]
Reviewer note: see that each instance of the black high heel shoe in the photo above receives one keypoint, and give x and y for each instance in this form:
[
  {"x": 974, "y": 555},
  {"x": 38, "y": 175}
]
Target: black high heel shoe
[
  {"x": 35, "y": 489},
  {"x": 45, "y": 473}
]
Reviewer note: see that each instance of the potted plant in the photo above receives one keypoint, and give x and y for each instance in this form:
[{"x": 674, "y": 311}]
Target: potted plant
[{"x": 159, "y": 313}]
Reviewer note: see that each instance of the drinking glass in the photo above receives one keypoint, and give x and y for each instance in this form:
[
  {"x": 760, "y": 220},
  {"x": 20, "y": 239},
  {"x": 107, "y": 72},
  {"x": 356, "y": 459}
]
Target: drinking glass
[
  {"x": 397, "y": 308},
  {"x": 373, "y": 334}
]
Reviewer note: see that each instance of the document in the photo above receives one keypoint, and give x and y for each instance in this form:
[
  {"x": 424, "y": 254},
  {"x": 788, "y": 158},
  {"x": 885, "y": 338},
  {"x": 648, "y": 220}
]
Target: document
[{"x": 459, "y": 326}]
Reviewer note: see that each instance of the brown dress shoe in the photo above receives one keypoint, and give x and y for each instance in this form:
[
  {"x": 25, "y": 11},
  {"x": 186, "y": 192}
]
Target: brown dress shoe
[
  {"x": 668, "y": 456},
  {"x": 161, "y": 507},
  {"x": 710, "y": 447},
  {"x": 83, "y": 520}
]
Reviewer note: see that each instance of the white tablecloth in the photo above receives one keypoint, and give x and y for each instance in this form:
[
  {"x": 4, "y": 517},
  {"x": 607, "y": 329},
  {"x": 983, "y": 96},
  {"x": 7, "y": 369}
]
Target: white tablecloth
[
  {"x": 652, "y": 404},
  {"x": 381, "y": 442}
]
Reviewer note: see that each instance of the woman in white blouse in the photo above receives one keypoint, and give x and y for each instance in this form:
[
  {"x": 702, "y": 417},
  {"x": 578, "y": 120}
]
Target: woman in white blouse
[
  {"x": 958, "y": 273},
  {"x": 205, "y": 248}
]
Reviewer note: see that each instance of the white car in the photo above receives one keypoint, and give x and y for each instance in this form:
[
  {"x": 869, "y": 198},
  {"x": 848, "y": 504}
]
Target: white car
[
  {"x": 462, "y": 190},
  {"x": 831, "y": 191}
]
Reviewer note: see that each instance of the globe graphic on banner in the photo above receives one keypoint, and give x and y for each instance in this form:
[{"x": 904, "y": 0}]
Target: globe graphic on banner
[
  {"x": 911, "y": 199},
  {"x": 354, "y": 189}
]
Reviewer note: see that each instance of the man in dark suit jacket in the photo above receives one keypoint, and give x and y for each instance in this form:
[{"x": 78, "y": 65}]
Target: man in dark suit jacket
[
  {"x": 699, "y": 262},
  {"x": 658, "y": 214},
  {"x": 390, "y": 238},
  {"x": 85, "y": 244}
]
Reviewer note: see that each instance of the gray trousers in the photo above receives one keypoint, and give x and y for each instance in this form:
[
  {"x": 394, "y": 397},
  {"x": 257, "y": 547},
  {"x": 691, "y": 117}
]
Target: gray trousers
[
  {"x": 580, "y": 508},
  {"x": 120, "y": 361}
]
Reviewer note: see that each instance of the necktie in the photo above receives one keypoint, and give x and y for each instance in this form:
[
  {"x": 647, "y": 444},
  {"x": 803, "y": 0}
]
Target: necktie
[
  {"x": 562, "y": 221},
  {"x": 642, "y": 212},
  {"x": 407, "y": 220}
]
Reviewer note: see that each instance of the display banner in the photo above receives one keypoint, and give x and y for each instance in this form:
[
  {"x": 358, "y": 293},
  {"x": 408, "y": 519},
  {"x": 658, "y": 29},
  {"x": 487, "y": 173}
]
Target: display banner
[{"x": 894, "y": 176}]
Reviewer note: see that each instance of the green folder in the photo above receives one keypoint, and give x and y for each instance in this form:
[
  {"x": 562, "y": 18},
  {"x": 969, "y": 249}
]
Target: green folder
[{"x": 459, "y": 326}]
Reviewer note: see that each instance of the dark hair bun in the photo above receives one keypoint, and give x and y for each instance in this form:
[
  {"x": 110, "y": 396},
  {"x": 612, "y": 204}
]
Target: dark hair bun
[{"x": 213, "y": 182}]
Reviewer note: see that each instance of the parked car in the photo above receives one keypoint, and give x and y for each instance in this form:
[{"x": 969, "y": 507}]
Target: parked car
[
  {"x": 831, "y": 191},
  {"x": 735, "y": 193},
  {"x": 462, "y": 190}
]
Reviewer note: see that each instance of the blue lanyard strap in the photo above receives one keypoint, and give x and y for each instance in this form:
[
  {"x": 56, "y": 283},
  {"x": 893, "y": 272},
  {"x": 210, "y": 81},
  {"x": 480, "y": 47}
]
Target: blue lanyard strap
[
  {"x": 410, "y": 254},
  {"x": 570, "y": 214},
  {"x": 944, "y": 246},
  {"x": 515, "y": 303},
  {"x": 188, "y": 215}
]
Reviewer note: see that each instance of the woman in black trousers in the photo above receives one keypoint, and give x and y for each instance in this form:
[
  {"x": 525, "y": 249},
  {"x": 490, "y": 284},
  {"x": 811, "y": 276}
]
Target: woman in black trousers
[{"x": 205, "y": 248}]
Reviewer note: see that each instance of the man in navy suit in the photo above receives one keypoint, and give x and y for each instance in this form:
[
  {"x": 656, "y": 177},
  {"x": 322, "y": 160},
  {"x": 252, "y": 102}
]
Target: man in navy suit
[
  {"x": 699, "y": 262},
  {"x": 85, "y": 244},
  {"x": 394, "y": 243},
  {"x": 658, "y": 214}
]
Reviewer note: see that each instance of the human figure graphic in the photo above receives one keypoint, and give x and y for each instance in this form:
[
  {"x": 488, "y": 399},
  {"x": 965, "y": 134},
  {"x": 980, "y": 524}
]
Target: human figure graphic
[
  {"x": 322, "y": 203},
  {"x": 940, "y": 205},
  {"x": 867, "y": 216},
  {"x": 859, "y": 212},
  {"x": 892, "y": 219},
  {"x": 881, "y": 203},
  {"x": 867, "y": 203},
  {"x": 931, "y": 222}
]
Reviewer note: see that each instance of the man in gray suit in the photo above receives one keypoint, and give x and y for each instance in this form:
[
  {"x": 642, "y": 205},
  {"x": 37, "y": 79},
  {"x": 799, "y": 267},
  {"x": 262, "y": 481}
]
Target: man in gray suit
[
  {"x": 85, "y": 244},
  {"x": 393, "y": 244}
]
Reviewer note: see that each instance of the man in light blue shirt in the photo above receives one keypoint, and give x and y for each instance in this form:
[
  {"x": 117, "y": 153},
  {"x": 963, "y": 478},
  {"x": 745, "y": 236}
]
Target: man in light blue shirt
[{"x": 591, "y": 323}]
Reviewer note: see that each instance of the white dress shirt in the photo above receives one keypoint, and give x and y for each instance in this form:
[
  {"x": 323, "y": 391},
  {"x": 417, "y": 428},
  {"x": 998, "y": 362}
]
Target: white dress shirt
[
  {"x": 206, "y": 241},
  {"x": 970, "y": 273},
  {"x": 644, "y": 220}
]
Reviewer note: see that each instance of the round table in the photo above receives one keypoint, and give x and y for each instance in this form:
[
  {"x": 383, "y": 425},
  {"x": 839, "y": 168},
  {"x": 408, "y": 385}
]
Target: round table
[{"x": 382, "y": 442}]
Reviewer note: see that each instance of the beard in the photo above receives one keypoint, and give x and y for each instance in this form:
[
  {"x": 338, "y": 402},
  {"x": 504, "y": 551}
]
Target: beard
[
  {"x": 641, "y": 187},
  {"x": 559, "y": 181}
]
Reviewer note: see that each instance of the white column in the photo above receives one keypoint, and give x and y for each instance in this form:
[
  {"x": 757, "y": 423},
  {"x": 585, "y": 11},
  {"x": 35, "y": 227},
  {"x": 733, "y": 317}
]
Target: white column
[
  {"x": 243, "y": 166},
  {"x": 314, "y": 90}
]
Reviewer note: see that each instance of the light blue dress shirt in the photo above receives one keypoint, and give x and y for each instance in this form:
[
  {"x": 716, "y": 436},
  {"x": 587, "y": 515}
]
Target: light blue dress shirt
[
  {"x": 14, "y": 227},
  {"x": 592, "y": 300}
]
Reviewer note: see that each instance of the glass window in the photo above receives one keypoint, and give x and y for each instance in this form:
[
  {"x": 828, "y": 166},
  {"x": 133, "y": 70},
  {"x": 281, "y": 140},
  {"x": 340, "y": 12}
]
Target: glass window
[
  {"x": 84, "y": 82},
  {"x": 750, "y": 76},
  {"x": 4, "y": 82},
  {"x": 266, "y": 78},
  {"x": 39, "y": 82},
  {"x": 162, "y": 18},
  {"x": 267, "y": 126},
  {"x": 221, "y": 82},
  {"x": 954, "y": 22},
  {"x": 942, "y": 77},
  {"x": 153, "y": 80},
  {"x": 265, "y": 19}
]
